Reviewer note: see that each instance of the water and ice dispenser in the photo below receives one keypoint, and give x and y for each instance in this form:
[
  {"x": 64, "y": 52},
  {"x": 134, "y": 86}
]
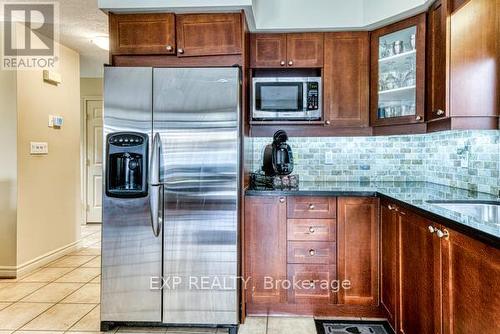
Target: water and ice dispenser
[{"x": 127, "y": 164}]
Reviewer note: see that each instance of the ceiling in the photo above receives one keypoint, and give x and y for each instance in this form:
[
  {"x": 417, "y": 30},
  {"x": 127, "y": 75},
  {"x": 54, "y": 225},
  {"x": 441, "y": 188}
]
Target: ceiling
[{"x": 80, "y": 21}]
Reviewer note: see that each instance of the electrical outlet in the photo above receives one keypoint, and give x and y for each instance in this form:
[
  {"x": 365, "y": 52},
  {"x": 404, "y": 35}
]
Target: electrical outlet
[
  {"x": 328, "y": 158},
  {"x": 39, "y": 148}
]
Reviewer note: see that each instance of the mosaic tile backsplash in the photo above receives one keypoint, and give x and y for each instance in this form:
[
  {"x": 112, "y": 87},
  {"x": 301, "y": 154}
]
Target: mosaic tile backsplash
[{"x": 463, "y": 159}]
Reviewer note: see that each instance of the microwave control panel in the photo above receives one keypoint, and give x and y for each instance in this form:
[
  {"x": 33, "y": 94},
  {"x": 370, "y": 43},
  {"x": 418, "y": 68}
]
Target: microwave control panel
[{"x": 312, "y": 96}]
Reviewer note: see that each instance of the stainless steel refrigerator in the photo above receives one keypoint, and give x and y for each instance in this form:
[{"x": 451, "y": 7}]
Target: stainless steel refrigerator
[{"x": 170, "y": 205}]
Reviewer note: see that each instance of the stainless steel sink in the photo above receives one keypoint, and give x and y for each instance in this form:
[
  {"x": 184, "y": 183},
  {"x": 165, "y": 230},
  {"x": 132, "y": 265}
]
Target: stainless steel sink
[{"x": 485, "y": 211}]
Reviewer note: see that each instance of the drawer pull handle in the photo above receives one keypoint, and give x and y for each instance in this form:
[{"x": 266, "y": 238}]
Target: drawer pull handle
[
  {"x": 311, "y": 206},
  {"x": 310, "y": 284},
  {"x": 311, "y": 229},
  {"x": 282, "y": 200},
  {"x": 312, "y": 252}
]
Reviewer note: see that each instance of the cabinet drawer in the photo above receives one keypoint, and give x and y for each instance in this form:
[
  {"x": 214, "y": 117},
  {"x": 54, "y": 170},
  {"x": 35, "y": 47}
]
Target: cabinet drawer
[
  {"x": 311, "y": 207},
  {"x": 316, "y": 252},
  {"x": 311, "y": 229},
  {"x": 311, "y": 283}
]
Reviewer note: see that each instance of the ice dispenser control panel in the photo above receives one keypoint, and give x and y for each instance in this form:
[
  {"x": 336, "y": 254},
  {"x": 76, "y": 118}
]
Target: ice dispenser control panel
[{"x": 126, "y": 164}]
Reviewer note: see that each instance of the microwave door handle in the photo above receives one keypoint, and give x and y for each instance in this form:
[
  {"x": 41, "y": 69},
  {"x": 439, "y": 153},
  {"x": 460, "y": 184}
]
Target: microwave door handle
[{"x": 156, "y": 188}]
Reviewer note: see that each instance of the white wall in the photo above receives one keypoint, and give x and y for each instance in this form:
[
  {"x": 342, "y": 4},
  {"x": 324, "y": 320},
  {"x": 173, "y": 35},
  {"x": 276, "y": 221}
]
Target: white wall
[
  {"x": 48, "y": 212},
  {"x": 383, "y": 11},
  {"x": 304, "y": 15},
  {"x": 290, "y": 15}
]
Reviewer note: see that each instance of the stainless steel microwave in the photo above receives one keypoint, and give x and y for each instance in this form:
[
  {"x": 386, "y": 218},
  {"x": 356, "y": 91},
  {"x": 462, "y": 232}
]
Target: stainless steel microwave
[{"x": 297, "y": 98}]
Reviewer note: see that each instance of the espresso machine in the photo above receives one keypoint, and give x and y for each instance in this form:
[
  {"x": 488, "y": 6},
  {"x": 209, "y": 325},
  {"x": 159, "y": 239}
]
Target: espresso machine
[
  {"x": 277, "y": 166},
  {"x": 278, "y": 157}
]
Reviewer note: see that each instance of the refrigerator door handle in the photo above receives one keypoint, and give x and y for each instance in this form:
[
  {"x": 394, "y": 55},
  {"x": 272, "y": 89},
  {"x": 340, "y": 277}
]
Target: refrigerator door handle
[{"x": 156, "y": 188}]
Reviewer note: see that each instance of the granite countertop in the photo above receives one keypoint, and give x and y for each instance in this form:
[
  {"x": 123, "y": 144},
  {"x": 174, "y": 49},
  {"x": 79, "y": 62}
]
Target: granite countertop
[{"x": 413, "y": 194}]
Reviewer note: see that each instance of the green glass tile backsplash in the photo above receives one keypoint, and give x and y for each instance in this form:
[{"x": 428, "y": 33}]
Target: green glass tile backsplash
[{"x": 463, "y": 159}]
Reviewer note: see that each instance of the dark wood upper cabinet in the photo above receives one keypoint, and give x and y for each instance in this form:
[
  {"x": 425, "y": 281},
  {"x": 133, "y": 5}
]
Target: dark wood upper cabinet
[
  {"x": 436, "y": 106},
  {"x": 140, "y": 34},
  {"x": 265, "y": 247},
  {"x": 287, "y": 50},
  {"x": 209, "y": 34},
  {"x": 346, "y": 79},
  {"x": 357, "y": 249},
  {"x": 474, "y": 75},
  {"x": 268, "y": 50},
  {"x": 397, "y": 83},
  {"x": 471, "y": 277},
  {"x": 304, "y": 50},
  {"x": 389, "y": 261},
  {"x": 419, "y": 276}
]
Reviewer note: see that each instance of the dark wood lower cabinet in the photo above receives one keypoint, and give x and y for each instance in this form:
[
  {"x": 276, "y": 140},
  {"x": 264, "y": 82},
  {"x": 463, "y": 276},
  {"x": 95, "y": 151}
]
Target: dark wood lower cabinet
[
  {"x": 357, "y": 240},
  {"x": 265, "y": 248},
  {"x": 419, "y": 276},
  {"x": 389, "y": 261},
  {"x": 446, "y": 282},
  {"x": 432, "y": 279},
  {"x": 471, "y": 285},
  {"x": 317, "y": 258}
]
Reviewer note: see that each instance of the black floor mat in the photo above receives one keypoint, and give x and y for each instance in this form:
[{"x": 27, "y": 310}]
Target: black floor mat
[{"x": 352, "y": 327}]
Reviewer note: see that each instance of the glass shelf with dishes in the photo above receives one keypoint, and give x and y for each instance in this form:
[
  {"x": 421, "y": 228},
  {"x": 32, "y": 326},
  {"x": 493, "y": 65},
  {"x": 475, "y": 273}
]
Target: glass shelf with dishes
[{"x": 397, "y": 74}]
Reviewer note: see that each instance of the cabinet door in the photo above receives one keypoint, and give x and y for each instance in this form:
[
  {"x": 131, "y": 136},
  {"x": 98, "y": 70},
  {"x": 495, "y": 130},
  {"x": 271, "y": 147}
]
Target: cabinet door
[
  {"x": 397, "y": 88},
  {"x": 346, "y": 79},
  {"x": 208, "y": 34},
  {"x": 471, "y": 281},
  {"x": 419, "y": 276},
  {"x": 141, "y": 34},
  {"x": 268, "y": 50},
  {"x": 304, "y": 50},
  {"x": 357, "y": 240},
  {"x": 389, "y": 261},
  {"x": 265, "y": 247},
  {"x": 474, "y": 50},
  {"x": 436, "y": 60}
]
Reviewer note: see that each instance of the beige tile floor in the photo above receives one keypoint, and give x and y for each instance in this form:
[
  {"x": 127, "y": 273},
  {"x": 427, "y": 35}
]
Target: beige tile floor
[{"x": 63, "y": 297}]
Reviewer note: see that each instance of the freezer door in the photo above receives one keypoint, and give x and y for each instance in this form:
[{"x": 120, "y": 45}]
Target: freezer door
[
  {"x": 131, "y": 254},
  {"x": 196, "y": 113}
]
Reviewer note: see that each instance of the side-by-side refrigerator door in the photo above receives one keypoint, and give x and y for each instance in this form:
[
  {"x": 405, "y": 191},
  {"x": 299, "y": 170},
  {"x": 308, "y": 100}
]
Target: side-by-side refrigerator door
[
  {"x": 131, "y": 252},
  {"x": 196, "y": 114}
]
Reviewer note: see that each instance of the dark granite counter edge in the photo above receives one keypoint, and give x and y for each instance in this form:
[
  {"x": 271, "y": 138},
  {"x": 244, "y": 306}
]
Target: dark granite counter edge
[{"x": 453, "y": 224}]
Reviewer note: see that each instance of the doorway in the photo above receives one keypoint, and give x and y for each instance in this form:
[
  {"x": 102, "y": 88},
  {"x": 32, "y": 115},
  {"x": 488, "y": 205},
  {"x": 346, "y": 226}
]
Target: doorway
[{"x": 93, "y": 159}]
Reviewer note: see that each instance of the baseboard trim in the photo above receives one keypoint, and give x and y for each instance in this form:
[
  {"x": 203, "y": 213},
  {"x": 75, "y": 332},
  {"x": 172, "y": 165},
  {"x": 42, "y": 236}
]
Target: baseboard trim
[{"x": 31, "y": 265}]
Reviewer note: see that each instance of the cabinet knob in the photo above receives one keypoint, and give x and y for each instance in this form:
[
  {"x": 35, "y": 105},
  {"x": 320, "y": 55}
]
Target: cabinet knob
[
  {"x": 418, "y": 118},
  {"x": 311, "y": 229},
  {"x": 390, "y": 207},
  {"x": 282, "y": 199},
  {"x": 327, "y": 122},
  {"x": 431, "y": 228},
  {"x": 169, "y": 48},
  {"x": 440, "y": 112},
  {"x": 443, "y": 234},
  {"x": 312, "y": 252},
  {"x": 282, "y": 63},
  {"x": 290, "y": 62},
  {"x": 181, "y": 51},
  {"x": 311, "y": 206}
]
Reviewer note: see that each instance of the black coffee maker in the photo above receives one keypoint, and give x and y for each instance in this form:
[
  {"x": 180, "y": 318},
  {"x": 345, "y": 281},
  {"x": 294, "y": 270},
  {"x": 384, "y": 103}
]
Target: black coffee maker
[{"x": 278, "y": 157}]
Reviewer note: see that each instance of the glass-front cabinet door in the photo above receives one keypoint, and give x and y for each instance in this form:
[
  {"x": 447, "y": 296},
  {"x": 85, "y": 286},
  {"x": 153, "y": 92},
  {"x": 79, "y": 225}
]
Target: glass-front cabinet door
[{"x": 398, "y": 73}]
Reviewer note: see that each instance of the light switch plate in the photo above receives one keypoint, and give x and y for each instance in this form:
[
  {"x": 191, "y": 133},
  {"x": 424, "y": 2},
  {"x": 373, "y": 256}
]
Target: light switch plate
[
  {"x": 39, "y": 148},
  {"x": 55, "y": 121}
]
